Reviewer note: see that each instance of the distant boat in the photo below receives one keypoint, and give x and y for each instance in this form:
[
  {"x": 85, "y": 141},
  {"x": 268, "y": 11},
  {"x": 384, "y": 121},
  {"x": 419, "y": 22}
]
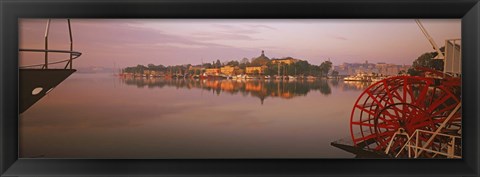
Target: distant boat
[
  {"x": 353, "y": 78},
  {"x": 215, "y": 77},
  {"x": 228, "y": 77},
  {"x": 362, "y": 77},
  {"x": 224, "y": 76},
  {"x": 311, "y": 77},
  {"x": 241, "y": 76},
  {"x": 376, "y": 79},
  {"x": 350, "y": 78},
  {"x": 203, "y": 76}
]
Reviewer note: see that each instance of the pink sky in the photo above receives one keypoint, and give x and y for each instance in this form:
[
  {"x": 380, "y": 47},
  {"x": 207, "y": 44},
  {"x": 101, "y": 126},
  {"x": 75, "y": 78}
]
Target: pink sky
[{"x": 128, "y": 42}]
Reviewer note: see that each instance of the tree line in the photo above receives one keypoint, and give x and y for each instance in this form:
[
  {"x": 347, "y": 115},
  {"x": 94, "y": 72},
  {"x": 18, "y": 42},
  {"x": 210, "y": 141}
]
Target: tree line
[{"x": 299, "y": 68}]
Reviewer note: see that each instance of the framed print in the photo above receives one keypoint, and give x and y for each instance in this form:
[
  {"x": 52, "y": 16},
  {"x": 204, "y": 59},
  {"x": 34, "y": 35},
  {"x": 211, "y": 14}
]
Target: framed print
[{"x": 239, "y": 88}]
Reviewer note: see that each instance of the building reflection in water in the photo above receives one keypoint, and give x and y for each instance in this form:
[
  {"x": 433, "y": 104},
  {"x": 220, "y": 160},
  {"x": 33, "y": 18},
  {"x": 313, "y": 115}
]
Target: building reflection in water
[
  {"x": 261, "y": 89},
  {"x": 353, "y": 85}
]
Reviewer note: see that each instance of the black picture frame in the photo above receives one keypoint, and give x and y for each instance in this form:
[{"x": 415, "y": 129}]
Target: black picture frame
[{"x": 11, "y": 11}]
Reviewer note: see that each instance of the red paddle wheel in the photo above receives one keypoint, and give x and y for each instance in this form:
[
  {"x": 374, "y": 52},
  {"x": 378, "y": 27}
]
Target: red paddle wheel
[{"x": 406, "y": 104}]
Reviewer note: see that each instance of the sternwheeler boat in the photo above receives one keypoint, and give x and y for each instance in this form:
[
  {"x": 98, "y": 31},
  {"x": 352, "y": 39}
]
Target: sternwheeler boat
[{"x": 37, "y": 80}]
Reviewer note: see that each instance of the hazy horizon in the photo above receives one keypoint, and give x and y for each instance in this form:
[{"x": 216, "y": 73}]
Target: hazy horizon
[{"x": 128, "y": 42}]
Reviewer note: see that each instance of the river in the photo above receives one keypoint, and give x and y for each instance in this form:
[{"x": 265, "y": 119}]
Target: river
[{"x": 105, "y": 116}]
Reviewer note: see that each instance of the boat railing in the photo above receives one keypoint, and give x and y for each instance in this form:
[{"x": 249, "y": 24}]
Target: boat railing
[
  {"x": 414, "y": 148},
  {"x": 412, "y": 143},
  {"x": 69, "y": 62}
]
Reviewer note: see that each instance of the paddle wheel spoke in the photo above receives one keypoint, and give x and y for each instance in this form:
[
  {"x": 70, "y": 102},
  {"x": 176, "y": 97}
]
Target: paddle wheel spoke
[
  {"x": 422, "y": 95},
  {"x": 437, "y": 103},
  {"x": 365, "y": 110},
  {"x": 445, "y": 110},
  {"x": 392, "y": 122},
  {"x": 387, "y": 90},
  {"x": 395, "y": 108}
]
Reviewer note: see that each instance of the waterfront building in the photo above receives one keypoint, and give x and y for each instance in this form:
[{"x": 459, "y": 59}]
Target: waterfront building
[
  {"x": 195, "y": 68},
  {"x": 228, "y": 70},
  {"x": 212, "y": 71},
  {"x": 255, "y": 69},
  {"x": 287, "y": 60},
  {"x": 147, "y": 72},
  {"x": 381, "y": 68},
  {"x": 240, "y": 71}
]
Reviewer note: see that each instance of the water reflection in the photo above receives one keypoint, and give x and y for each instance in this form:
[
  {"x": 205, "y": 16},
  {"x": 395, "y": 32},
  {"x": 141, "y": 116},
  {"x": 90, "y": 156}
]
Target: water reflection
[
  {"x": 261, "y": 89},
  {"x": 353, "y": 85},
  {"x": 165, "y": 118}
]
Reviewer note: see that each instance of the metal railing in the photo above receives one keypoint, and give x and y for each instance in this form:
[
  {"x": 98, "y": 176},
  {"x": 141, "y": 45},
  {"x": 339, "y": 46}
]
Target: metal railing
[
  {"x": 415, "y": 149},
  {"x": 414, "y": 145},
  {"x": 69, "y": 62}
]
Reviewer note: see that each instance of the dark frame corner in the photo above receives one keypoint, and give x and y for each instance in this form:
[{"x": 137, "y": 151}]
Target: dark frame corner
[{"x": 10, "y": 11}]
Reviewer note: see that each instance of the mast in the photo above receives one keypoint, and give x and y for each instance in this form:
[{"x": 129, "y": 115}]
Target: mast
[
  {"x": 278, "y": 68},
  {"x": 430, "y": 39}
]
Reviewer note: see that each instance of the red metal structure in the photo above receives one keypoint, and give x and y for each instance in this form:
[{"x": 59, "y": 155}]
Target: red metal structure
[
  {"x": 413, "y": 116},
  {"x": 406, "y": 104}
]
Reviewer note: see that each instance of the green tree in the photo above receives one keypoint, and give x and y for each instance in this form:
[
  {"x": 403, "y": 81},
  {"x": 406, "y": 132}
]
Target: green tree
[
  {"x": 335, "y": 73},
  {"x": 426, "y": 61},
  {"x": 140, "y": 69},
  {"x": 291, "y": 69},
  {"x": 233, "y": 63},
  {"x": 207, "y": 65},
  {"x": 244, "y": 61},
  {"x": 269, "y": 69},
  {"x": 218, "y": 64},
  {"x": 325, "y": 67},
  {"x": 151, "y": 66},
  {"x": 301, "y": 67},
  {"x": 314, "y": 70}
]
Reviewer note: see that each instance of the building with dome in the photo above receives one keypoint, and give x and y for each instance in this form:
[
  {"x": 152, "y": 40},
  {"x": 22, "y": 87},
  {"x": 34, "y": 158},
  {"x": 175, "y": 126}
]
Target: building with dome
[
  {"x": 260, "y": 60},
  {"x": 259, "y": 64}
]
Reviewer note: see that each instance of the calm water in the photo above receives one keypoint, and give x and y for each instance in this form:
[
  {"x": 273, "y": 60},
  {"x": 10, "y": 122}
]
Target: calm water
[{"x": 102, "y": 116}]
